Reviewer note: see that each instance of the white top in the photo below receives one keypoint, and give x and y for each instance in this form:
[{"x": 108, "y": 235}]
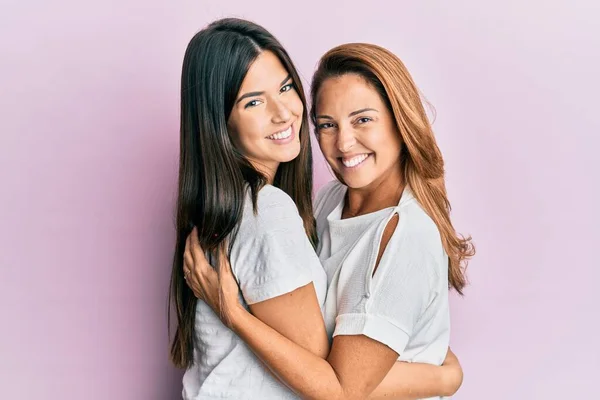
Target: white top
[
  {"x": 271, "y": 256},
  {"x": 405, "y": 304}
]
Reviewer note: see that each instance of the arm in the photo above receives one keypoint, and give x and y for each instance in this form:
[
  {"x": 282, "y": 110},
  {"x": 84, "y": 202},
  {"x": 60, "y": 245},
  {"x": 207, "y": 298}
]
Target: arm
[
  {"x": 355, "y": 368},
  {"x": 297, "y": 316},
  {"x": 407, "y": 381},
  {"x": 348, "y": 373},
  {"x": 417, "y": 380}
]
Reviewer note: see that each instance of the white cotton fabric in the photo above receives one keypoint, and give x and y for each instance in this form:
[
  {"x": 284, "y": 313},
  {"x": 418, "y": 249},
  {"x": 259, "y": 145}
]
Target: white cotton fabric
[
  {"x": 271, "y": 256},
  {"x": 405, "y": 304}
]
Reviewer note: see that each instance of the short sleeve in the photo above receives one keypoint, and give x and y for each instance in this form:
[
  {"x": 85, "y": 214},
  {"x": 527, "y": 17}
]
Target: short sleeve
[
  {"x": 399, "y": 293},
  {"x": 272, "y": 254}
]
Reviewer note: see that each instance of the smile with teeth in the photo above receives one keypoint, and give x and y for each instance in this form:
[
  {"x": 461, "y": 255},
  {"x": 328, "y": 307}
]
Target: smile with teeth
[
  {"x": 281, "y": 135},
  {"x": 354, "y": 161}
]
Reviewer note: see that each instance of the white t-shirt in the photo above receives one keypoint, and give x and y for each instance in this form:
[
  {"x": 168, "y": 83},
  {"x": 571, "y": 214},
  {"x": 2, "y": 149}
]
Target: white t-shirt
[
  {"x": 405, "y": 304},
  {"x": 271, "y": 256}
]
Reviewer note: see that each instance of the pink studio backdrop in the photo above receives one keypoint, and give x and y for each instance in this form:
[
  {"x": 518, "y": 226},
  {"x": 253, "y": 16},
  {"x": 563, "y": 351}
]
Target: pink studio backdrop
[{"x": 88, "y": 156}]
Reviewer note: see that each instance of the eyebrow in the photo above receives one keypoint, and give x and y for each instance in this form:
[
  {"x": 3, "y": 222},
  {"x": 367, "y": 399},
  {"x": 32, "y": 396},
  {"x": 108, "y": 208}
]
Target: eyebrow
[
  {"x": 252, "y": 94},
  {"x": 287, "y": 78},
  {"x": 353, "y": 113}
]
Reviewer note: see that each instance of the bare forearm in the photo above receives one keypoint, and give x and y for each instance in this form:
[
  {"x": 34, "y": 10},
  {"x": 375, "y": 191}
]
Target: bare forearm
[
  {"x": 408, "y": 381},
  {"x": 308, "y": 375}
]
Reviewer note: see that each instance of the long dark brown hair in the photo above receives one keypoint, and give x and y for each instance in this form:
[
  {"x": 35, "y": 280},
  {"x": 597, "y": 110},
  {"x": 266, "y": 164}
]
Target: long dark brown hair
[
  {"x": 213, "y": 174},
  {"x": 421, "y": 160}
]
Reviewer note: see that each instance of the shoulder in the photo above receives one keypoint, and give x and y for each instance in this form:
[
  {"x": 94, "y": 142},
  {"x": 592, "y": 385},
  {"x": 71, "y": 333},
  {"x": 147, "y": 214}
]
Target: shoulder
[
  {"x": 273, "y": 198},
  {"x": 275, "y": 211},
  {"x": 418, "y": 227},
  {"x": 271, "y": 254},
  {"x": 412, "y": 247},
  {"x": 410, "y": 258},
  {"x": 275, "y": 223}
]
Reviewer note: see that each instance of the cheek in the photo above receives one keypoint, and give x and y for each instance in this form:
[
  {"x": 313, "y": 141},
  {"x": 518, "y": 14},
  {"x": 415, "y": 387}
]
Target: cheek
[
  {"x": 253, "y": 127},
  {"x": 385, "y": 142},
  {"x": 249, "y": 131},
  {"x": 327, "y": 146},
  {"x": 389, "y": 150}
]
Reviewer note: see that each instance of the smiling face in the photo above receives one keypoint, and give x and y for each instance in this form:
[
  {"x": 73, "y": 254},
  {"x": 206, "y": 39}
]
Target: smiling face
[
  {"x": 267, "y": 115},
  {"x": 357, "y": 133}
]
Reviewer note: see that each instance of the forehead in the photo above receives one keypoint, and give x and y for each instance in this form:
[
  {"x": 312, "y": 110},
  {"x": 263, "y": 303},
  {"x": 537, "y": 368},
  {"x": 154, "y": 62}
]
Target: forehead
[
  {"x": 345, "y": 94},
  {"x": 266, "y": 71}
]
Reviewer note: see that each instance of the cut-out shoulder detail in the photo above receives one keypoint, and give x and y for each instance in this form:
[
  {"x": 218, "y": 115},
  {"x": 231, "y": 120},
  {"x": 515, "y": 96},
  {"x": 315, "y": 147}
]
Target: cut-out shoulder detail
[{"x": 390, "y": 228}]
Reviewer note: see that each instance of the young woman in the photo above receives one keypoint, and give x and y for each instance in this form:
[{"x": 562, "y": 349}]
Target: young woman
[
  {"x": 386, "y": 239},
  {"x": 245, "y": 178}
]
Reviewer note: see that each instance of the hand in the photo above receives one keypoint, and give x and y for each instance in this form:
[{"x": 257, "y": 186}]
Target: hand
[
  {"x": 452, "y": 374},
  {"x": 219, "y": 290}
]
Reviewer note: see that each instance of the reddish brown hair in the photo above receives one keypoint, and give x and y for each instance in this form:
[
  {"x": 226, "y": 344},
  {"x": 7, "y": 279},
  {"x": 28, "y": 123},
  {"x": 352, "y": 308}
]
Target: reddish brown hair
[{"x": 421, "y": 160}]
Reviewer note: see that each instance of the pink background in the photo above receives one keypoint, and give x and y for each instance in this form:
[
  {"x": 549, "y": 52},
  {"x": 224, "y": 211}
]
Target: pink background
[{"x": 88, "y": 156}]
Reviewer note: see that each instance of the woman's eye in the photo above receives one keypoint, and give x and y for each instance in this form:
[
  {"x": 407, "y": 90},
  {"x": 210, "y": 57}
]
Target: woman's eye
[
  {"x": 252, "y": 103},
  {"x": 286, "y": 88},
  {"x": 326, "y": 125},
  {"x": 363, "y": 120}
]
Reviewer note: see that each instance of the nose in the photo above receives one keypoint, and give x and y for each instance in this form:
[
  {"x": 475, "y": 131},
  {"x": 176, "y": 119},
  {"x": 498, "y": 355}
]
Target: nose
[
  {"x": 281, "y": 112},
  {"x": 345, "y": 139}
]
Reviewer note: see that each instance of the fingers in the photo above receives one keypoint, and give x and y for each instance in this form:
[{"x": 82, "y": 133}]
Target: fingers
[
  {"x": 197, "y": 251},
  {"x": 188, "y": 259},
  {"x": 192, "y": 254},
  {"x": 192, "y": 245},
  {"x": 192, "y": 281},
  {"x": 187, "y": 271},
  {"x": 188, "y": 268},
  {"x": 199, "y": 275},
  {"x": 188, "y": 246}
]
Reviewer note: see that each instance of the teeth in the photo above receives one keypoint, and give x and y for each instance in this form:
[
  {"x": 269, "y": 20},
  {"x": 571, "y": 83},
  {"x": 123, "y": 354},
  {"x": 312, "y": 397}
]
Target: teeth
[
  {"x": 354, "y": 161},
  {"x": 281, "y": 135}
]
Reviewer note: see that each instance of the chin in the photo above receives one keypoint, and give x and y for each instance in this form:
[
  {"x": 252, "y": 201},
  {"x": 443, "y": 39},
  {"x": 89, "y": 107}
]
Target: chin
[
  {"x": 287, "y": 155},
  {"x": 355, "y": 181}
]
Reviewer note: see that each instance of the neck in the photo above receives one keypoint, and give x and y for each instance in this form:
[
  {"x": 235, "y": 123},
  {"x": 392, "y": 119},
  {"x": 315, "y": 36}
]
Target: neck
[{"x": 384, "y": 192}]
